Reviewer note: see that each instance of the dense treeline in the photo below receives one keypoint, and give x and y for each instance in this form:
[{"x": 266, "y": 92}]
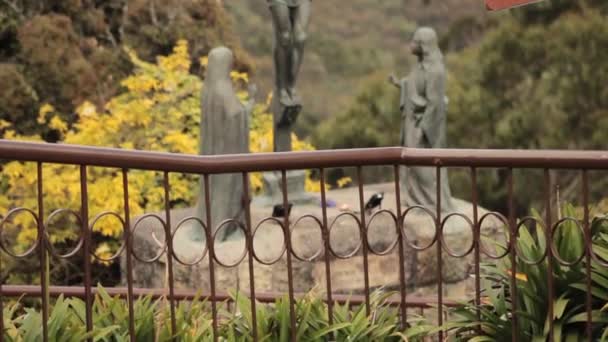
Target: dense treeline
[
  {"x": 534, "y": 80},
  {"x": 63, "y": 52},
  {"x": 527, "y": 78},
  {"x": 348, "y": 42}
]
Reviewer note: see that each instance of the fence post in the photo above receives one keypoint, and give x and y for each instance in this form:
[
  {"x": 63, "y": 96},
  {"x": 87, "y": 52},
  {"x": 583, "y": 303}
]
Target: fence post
[
  {"x": 44, "y": 281},
  {"x": 84, "y": 213}
]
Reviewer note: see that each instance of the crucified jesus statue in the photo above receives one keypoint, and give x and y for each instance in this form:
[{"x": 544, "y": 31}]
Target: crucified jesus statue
[
  {"x": 290, "y": 20},
  {"x": 290, "y": 23}
]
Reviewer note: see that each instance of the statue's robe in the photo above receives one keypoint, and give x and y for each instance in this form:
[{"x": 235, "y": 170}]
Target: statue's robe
[
  {"x": 423, "y": 107},
  {"x": 224, "y": 129}
]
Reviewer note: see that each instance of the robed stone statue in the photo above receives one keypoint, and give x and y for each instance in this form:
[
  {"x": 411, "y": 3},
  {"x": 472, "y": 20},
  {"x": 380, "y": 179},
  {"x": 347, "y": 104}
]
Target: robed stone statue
[
  {"x": 423, "y": 105},
  {"x": 224, "y": 129}
]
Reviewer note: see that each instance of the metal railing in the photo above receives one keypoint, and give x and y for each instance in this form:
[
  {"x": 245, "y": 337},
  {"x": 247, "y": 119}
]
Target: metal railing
[{"x": 126, "y": 160}]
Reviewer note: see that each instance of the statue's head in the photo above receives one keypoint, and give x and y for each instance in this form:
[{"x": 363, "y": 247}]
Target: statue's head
[
  {"x": 219, "y": 65},
  {"x": 424, "y": 42}
]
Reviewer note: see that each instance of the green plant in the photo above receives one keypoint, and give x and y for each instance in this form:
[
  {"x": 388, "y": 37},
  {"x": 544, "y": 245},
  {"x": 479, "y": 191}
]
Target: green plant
[
  {"x": 569, "y": 300},
  {"x": 11, "y": 331},
  {"x": 381, "y": 325},
  {"x": 194, "y": 321},
  {"x": 62, "y": 325},
  {"x": 273, "y": 321}
]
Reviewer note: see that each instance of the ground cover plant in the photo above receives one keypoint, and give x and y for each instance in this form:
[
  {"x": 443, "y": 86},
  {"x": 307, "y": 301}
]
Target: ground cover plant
[
  {"x": 533, "y": 316},
  {"x": 194, "y": 320}
]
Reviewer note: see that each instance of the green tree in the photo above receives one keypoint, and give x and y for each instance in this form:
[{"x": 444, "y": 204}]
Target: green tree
[
  {"x": 364, "y": 123},
  {"x": 527, "y": 84},
  {"x": 532, "y": 86},
  {"x": 63, "y": 52},
  {"x": 159, "y": 110}
]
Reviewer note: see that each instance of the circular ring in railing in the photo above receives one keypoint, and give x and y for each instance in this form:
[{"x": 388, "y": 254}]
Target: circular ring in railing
[
  {"x": 224, "y": 225},
  {"x": 505, "y": 222},
  {"x": 410, "y": 242},
  {"x": 293, "y": 228},
  {"x": 80, "y": 242},
  {"x": 444, "y": 243},
  {"x": 205, "y": 245},
  {"x": 600, "y": 260},
  {"x": 283, "y": 248},
  {"x": 390, "y": 248},
  {"x": 554, "y": 250},
  {"x": 8, "y": 216},
  {"x": 163, "y": 248},
  {"x": 124, "y": 235},
  {"x": 516, "y": 244},
  {"x": 357, "y": 248}
]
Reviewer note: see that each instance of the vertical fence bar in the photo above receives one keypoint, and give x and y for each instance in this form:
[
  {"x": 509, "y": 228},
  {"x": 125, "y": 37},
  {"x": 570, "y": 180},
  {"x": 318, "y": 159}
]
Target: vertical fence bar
[
  {"x": 287, "y": 234},
  {"x": 588, "y": 251},
  {"x": 326, "y": 241},
  {"x": 211, "y": 251},
  {"x": 84, "y": 214},
  {"x": 439, "y": 254},
  {"x": 549, "y": 237},
  {"x": 43, "y": 257},
  {"x": 1, "y": 305},
  {"x": 477, "y": 242},
  {"x": 129, "y": 244},
  {"x": 169, "y": 240},
  {"x": 246, "y": 204},
  {"x": 402, "y": 283},
  {"x": 512, "y": 254},
  {"x": 364, "y": 243}
]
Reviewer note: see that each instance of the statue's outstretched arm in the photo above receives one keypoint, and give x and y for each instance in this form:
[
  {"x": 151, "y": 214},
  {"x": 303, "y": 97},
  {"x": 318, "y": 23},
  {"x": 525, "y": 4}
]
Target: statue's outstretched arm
[{"x": 394, "y": 81}]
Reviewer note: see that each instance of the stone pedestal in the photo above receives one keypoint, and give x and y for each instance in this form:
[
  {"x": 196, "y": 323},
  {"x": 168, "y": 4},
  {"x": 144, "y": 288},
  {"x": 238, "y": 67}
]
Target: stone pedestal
[
  {"x": 273, "y": 193},
  {"x": 284, "y": 117},
  {"x": 420, "y": 267}
]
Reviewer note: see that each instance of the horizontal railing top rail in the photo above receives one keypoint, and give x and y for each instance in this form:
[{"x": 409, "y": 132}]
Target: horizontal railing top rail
[{"x": 170, "y": 162}]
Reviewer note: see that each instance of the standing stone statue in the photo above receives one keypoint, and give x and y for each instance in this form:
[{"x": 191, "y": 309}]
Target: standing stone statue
[
  {"x": 224, "y": 129},
  {"x": 423, "y": 106},
  {"x": 290, "y": 22}
]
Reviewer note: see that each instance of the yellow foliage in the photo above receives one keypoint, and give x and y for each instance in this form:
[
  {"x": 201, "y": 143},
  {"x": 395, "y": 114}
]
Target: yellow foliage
[
  {"x": 4, "y": 124},
  {"x": 344, "y": 181},
  {"x": 235, "y": 75},
  {"x": 104, "y": 252},
  {"x": 43, "y": 112},
  {"x": 158, "y": 111},
  {"x": 57, "y": 124}
]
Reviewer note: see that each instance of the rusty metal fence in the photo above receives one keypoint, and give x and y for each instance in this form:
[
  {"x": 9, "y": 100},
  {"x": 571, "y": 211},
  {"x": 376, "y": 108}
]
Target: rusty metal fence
[{"x": 126, "y": 160}]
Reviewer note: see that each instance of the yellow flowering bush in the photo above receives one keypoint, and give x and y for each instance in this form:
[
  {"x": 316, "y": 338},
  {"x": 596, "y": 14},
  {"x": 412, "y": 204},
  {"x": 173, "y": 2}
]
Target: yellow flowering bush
[{"x": 158, "y": 111}]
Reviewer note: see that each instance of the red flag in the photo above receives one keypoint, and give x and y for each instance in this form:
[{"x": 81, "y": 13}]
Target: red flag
[{"x": 497, "y": 5}]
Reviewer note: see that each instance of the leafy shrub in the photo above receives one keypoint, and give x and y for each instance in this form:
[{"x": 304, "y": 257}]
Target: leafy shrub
[
  {"x": 569, "y": 300},
  {"x": 194, "y": 321},
  {"x": 159, "y": 110}
]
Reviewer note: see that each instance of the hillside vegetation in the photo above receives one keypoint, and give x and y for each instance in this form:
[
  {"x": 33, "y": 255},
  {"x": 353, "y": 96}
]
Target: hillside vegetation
[
  {"x": 527, "y": 78},
  {"x": 63, "y": 52},
  {"x": 531, "y": 78},
  {"x": 349, "y": 43}
]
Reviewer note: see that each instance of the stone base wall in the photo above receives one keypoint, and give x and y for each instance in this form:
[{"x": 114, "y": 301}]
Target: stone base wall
[{"x": 347, "y": 276}]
